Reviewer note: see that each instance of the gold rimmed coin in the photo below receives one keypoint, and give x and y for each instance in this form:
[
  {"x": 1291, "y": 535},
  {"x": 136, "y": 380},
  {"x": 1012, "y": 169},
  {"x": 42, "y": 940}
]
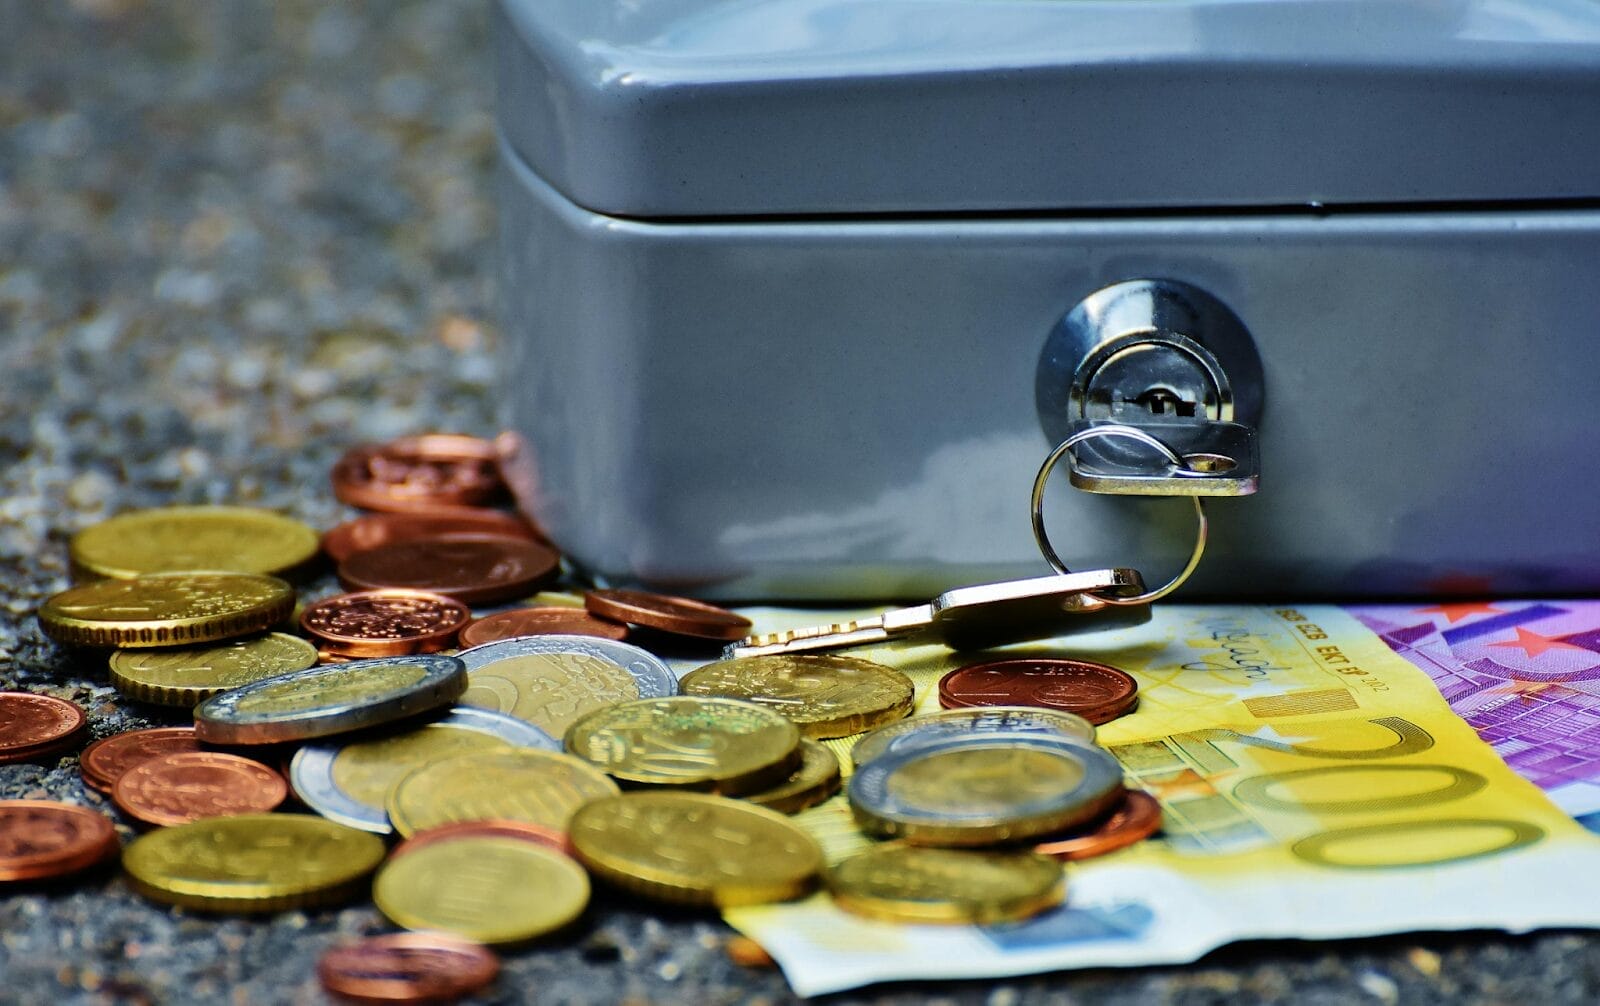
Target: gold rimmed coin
[
  {"x": 825, "y": 695},
  {"x": 166, "y": 609},
  {"x": 539, "y": 787},
  {"x": 253, "y": 863},
  {"x": 692, "y": 849},
  {"x": 907, "y": 883},
  {"x": 488, "y": 888},
  {"x": 187, "y": 676},
  {"x": 724, "y": 745},
  {"x": 814, "y": 781},
  {"x": 182, "y": 538}
]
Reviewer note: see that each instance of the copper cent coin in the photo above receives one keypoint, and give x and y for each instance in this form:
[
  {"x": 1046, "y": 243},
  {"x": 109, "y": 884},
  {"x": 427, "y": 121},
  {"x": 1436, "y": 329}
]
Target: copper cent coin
[
  {"x": 473, "y": 569},
  {"x": 32, "y": 726},
  {"x": 540, "y": 622},
  {"x": 384, "y": 623},
  {"x": 1097, "y": 692},
  {"x": 104, "y": 762},
  {"x": 1134, "y": 820},
  {"x": 43, "y": 838},
  {"x": 179, "y": 788},
  {"x": 407, "y": 968},
  {"x": 425, "y": 473},
  {"x": 375, "y": 529},
  {"x": 524, "y": 831},
  {"x": 680, "y": 615}
]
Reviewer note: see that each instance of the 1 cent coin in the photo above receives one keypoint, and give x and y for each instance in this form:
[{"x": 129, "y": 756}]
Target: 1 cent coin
[
  {"x": 550, "y": 621},
  {"x": 1097, "y": 692},
  {"x": 472, "y": 569},
  {"x": 384, "y": 623},
  {"x": 33, "y": 726},
  {"x": 1134, "y": 820},
  {"x": 424, "y": 473},
  {"x": 188, "y": 786},
  {"x": 678, "y": 615},
  {"x": 40, "y": 839},
  {"x": 375, "y": 529},
  {"x": 104, "y": 762},
  {"x": 407, "y": 968}
]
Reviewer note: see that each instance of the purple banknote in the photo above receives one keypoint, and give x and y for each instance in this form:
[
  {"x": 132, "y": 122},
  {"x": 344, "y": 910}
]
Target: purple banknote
[{"x": 1524, "y": 674}]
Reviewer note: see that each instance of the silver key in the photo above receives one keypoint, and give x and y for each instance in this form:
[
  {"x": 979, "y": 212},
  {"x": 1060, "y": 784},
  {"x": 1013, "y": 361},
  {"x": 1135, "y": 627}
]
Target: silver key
[{"x": 986, "y": 614}]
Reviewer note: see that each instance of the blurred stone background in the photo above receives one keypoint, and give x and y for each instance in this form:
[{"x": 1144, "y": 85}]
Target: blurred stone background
[{"x": 237, "y": 237}]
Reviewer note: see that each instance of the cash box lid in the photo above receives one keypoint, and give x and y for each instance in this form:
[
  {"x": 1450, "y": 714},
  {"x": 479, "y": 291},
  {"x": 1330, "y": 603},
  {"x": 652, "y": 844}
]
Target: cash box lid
[{"x": 672, "y": 108}]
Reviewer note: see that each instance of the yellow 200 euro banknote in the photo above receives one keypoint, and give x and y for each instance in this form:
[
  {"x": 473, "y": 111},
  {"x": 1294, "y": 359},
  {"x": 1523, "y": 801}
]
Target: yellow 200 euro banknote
[{"x": 1313, "y": 784}]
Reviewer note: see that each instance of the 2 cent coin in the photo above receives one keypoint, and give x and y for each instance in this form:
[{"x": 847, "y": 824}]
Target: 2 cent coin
[
  {"x": 106, "y": 760},
  {"x": 1134, "y": 820},
  {"x": 374, "y": 529},
  {"x": 423, "y": 473},
  {"x": 34, "y": 726},
  {"x": 548, "y": 621},
  {"x": 407, "y": 968},
  {"x": 1097, "y": 692},
  {"x": 681, "y": 616},
  {"x": 472, "y": 569},
  {"x": 40, "y": 839}
]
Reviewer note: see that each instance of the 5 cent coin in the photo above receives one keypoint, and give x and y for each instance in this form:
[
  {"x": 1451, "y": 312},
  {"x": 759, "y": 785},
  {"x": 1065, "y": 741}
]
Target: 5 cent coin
[
  {"x": 40, "y": 839},
  {"x": 1097, "y": 692},
  {"x": 187, "y": 786},
  {"x": 385, "y": 623},
  {"x": 103, "y": 762},
  {"x": 545, "y": 621}
]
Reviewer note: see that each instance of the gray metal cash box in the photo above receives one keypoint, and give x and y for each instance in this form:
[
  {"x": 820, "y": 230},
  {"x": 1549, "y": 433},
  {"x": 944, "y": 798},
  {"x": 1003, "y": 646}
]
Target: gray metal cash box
[{"x": 799, "y": 293}]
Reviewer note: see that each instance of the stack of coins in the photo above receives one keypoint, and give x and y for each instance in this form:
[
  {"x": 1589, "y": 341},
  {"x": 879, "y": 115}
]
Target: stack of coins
[{"x": 520, "y": 755}]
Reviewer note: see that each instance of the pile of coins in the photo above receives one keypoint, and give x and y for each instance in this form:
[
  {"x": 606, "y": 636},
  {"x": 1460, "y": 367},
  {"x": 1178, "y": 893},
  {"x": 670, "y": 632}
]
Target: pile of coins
[{"x": 519, "y": 755}]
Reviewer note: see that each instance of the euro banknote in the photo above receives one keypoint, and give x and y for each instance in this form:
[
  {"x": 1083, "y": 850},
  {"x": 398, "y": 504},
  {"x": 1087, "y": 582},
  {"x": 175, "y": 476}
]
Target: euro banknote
[{"x": 1314, "y": 784}]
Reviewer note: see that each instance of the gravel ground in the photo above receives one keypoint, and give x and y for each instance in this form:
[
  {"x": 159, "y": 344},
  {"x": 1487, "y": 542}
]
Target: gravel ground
[{"x": 237, "y": 237}]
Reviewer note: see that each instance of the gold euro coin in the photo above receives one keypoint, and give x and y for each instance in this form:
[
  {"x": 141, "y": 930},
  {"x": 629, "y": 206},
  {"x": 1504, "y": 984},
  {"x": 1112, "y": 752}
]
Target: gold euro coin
[
  {"x": 188, "y": 676},
  {"x": 549, "y": 690},
  {"x": 253, "y": 863},
  {"x": 825, "y": 695},
  {"x": 179, "y": 538},
  {"x": 905, "y": 883},
  {"x": 166, "y": 609},
  {"x": 486, "y": 888},
  {"x": 724, "y": 745},
  {"x": 692, "y": 849},
  {"x": 814, "y": 781},
  {"x": 540, "y": 787}
]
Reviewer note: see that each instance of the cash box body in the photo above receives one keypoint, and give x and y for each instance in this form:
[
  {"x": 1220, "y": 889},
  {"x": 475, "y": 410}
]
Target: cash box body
[{"x": 777, "y": 274}]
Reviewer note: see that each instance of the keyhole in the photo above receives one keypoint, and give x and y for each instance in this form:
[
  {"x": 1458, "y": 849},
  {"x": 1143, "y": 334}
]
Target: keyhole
[{"x": 1164, "y": 402}]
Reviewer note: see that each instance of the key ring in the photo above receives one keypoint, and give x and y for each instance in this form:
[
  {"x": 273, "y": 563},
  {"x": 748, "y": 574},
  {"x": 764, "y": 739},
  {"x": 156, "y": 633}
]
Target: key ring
[{"x": 1130, "y": 433}]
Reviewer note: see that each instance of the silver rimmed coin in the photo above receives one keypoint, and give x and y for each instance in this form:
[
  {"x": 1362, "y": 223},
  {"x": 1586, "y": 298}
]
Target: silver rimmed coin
[
  {"x": 331, "y": 699},
  {"x": 350, "y": 782},
  {"x": 1010, "y": 721},
  {"x": 551, "y": 681},
  {"x": 979, "y": 790}
]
